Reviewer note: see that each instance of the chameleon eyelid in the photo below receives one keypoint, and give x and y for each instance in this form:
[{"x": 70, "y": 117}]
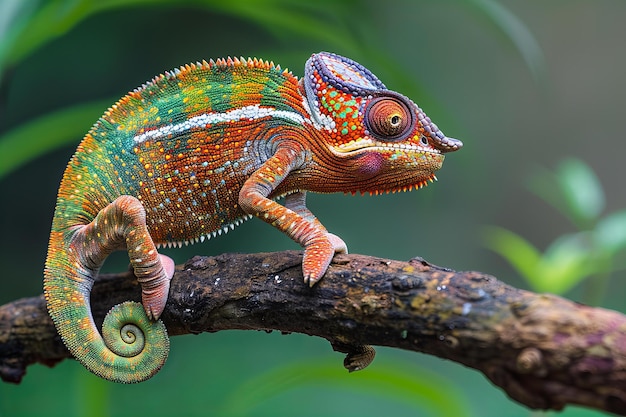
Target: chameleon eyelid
[{"x": 380, "y": 113}]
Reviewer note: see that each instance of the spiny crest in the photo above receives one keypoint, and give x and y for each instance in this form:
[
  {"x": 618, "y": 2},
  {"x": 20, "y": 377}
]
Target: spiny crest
[
  {"x": 184, "y": 70},
  {"x": 222, "y": 63},
  {"x": 223, "y": 230},
  {"x": 421, "y": 184}
]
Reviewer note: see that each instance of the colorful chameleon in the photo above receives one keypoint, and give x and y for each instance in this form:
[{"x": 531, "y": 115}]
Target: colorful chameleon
[{"x": 196, "y": 151}]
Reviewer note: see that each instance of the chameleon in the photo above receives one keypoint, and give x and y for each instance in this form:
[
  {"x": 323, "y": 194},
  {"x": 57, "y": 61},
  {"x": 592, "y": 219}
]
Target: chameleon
[{"x": 199, "y": 149}]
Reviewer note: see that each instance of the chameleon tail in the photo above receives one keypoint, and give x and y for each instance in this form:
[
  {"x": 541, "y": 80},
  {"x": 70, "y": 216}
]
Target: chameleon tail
[{"x": 132, "y": 347}]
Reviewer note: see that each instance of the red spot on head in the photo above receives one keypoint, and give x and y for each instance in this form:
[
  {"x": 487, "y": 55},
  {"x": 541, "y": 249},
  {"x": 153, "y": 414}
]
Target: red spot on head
[{"x": 369, "y": 164}]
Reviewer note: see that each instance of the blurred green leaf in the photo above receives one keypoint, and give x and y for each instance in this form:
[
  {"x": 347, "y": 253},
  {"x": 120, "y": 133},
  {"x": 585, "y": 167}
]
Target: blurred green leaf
[
  {"x": 574, "y": 190},
  {"x": 544, "y": 185},
  {"x": 516, "y": 31},
  {"x": 48, "y": 132},
  {"x": 14, "y": 16},
  {"x": 581, "y": 188},
  {"x": 522, "y": 255},
  {"x": 55, "y": 18},
  {"x": 565, "y": 263},
  {"x": 313, "y": 20},
  {"x": 412, "y": 385},
  {"x": 610, "y": 232}
]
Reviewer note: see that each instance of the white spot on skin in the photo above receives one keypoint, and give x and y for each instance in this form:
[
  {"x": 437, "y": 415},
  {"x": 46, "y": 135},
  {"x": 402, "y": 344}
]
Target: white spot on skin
[{"x": 277, "y": 279}]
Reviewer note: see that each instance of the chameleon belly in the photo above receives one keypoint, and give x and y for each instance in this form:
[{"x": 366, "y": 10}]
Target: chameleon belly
[{"x": 197, "y": 150}]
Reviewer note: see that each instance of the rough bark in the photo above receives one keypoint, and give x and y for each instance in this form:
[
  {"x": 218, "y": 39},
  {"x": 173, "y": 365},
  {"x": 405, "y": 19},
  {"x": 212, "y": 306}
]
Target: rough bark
[{"x": 542, "y": 350}]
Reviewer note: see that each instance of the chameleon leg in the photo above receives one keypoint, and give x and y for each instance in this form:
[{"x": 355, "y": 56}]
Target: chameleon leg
[
  {"x": 357, "y": 357},
  {"x": 297, "y": 203},
  {"x": 129, "y": 218},
  {"x": 133, "y": 347},
  {"x": 318, "y": 248}
]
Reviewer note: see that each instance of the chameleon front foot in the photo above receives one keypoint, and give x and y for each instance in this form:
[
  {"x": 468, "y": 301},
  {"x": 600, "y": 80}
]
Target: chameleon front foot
[
  {"x": 318, "y": 255},
  {"x": 338, "y": 243}
]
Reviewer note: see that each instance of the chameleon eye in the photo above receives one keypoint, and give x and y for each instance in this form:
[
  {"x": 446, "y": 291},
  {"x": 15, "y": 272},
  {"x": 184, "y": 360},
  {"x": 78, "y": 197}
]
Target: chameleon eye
[{"x": 388, "y": 118}]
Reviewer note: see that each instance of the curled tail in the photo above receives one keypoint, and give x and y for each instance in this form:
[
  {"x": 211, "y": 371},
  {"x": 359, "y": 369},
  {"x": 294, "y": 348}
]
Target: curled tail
[{"x": 132, "y": 347}]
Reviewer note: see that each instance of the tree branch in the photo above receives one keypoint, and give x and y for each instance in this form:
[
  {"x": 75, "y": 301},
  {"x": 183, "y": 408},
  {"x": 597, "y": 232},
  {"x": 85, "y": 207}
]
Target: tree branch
[{"x": 542, "y": 350}]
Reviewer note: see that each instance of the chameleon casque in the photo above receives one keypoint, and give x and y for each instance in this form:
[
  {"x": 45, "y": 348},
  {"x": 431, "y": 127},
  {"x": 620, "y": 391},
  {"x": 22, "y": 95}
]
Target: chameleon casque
[{"x": 196, "y": 151}]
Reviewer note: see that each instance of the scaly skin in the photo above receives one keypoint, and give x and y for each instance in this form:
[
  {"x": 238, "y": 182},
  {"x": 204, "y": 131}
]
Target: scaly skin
[{"x": 196, "y": 151}]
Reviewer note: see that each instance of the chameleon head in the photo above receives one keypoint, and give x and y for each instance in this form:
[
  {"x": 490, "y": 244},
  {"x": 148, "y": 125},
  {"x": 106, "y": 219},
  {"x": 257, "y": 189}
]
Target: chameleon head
[{"x": 382, "y": 137}]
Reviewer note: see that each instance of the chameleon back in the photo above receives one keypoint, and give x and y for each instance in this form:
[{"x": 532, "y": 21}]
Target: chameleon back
[{"x": 183, "y": 144}]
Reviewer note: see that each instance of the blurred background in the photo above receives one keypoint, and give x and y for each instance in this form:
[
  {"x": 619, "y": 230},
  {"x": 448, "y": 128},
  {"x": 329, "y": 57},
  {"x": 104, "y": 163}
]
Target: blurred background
[{"x": 534, "y": 89}]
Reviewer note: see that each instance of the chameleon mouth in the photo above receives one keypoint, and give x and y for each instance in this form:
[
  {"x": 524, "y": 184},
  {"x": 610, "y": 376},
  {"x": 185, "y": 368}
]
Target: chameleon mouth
[
  {"x": 362, "y": 145},
  {"x": 399, "y": 189}
]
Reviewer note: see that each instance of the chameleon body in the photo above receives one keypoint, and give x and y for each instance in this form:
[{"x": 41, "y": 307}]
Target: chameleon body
[{"x": 197, "y": 150}]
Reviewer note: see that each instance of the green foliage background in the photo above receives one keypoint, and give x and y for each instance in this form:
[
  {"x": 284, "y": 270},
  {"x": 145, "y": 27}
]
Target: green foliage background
[{"x": 523, "y": 83}]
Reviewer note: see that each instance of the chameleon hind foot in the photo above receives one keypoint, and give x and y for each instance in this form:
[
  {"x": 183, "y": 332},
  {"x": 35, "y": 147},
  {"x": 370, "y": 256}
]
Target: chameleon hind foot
[
  {"x": 154, "y": 297},
  {"x": 153, "y": 271}
]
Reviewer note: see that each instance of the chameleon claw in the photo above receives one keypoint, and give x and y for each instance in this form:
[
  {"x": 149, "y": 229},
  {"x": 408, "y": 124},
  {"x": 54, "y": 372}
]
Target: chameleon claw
[
  {"x": 154, "y": 301},
  {"x": 311, "y": 280}
]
